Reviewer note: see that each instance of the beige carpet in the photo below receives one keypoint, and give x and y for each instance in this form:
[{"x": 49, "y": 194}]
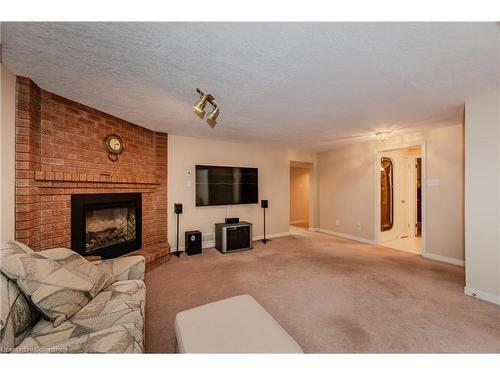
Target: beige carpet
[{"x": 331, "y": 295}]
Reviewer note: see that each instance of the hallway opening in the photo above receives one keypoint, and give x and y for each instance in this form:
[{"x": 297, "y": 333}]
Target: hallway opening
[{"x": 300, "y": 177}]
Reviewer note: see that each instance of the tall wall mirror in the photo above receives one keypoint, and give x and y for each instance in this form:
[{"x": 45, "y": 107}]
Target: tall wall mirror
[{"x": 386, "y": 194}]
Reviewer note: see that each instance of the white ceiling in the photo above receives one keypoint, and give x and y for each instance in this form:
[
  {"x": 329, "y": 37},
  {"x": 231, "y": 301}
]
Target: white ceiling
[{"x": 303, "y": 85}]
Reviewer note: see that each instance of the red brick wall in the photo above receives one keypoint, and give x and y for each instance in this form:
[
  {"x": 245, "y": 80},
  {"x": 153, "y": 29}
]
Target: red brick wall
[{"x": 60, "y": 151}]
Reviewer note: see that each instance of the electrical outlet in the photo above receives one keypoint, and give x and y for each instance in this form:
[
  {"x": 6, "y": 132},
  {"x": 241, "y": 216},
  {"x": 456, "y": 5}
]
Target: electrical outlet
[
  {"x": 337, "y": 222},
  {"x": 358, "y": 226}
]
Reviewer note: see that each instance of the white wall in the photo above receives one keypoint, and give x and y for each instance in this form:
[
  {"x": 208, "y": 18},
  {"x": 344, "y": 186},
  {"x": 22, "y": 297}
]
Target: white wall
[
  {"x": 7, "y": 153},
  {"x": 347, "y": 190},
  {"x": 482, "y": 208},
  {"x": 274, "y": 184}
]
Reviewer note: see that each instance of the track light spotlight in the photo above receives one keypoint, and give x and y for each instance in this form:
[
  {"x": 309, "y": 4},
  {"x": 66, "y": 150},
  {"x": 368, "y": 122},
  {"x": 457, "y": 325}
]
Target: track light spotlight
[
  {"x": 199, "y": 108},
  {"x": 212, "y": 117}
]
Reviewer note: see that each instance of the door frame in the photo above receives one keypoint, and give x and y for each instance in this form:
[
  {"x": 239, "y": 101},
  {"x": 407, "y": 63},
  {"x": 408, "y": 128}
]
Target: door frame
[
  {"x": 377, "y": 155},
  {"x": 413, "y": 160},
  {"x": 406, "y": 179}
]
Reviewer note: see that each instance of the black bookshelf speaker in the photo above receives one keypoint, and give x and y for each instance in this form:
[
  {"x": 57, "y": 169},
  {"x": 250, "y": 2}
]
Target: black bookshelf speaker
[
  {"x": 264, "y": 203},
  {"x": 178, "y": 208}
]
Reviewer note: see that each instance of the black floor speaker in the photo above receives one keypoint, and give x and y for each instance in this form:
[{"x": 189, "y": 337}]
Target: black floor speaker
[{"x": 264, "y": 203}]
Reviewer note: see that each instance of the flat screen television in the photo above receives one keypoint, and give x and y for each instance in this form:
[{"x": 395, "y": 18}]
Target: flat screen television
[{"x": 217, "y": 185}]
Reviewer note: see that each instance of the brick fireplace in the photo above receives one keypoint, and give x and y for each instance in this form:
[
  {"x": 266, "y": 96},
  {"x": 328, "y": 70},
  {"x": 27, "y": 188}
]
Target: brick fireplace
[{"x": 60, "y": 152}]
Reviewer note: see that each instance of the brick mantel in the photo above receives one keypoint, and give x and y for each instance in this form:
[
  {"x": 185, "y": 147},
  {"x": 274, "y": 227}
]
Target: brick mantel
[
  {"x": 60, "y": 152},
  {"x": 97, "y": 180}
]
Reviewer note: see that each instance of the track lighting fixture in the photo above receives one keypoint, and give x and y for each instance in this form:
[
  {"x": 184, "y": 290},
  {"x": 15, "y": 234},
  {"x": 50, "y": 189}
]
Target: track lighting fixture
[
  {"x": 199, "y": 108},
  {"x": 212, "y": 117}
]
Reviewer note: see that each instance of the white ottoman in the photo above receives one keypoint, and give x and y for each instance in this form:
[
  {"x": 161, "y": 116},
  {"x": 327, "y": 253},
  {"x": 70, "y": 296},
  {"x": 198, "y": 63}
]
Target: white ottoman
[{"x": 234, "y": 325}]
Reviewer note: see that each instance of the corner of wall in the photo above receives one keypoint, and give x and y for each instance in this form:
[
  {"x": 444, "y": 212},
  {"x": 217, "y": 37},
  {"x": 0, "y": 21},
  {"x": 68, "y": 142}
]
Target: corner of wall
[{"x": 7, "y": 153}]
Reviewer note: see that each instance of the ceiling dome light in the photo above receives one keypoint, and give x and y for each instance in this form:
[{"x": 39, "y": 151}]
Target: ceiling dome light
[
  {"x": 212, "y": 117},
  {"x": 383, "y": 135}
]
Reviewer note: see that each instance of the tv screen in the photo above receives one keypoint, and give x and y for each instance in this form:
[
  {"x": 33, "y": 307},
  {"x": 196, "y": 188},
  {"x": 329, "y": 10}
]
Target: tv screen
[{"x": 226, "y": 185}]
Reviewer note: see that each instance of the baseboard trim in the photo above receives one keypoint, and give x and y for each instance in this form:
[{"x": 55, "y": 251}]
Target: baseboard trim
[
  {"x": 343, "y": 235},
  {"x": 210, "y": 244},
  {"x": 204, "y": 245},
  {"x": 482, "y": 295},
  {"x": 207, "y": 244},
  {"x": 273, "y": 235},
  {"x": 441, "y": 258},
  {"x": 299, "y": 222}
]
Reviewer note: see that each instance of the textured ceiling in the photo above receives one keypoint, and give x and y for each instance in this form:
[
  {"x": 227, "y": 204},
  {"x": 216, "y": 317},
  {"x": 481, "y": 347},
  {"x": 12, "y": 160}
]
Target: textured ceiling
[{"x": 304, "y": 85}]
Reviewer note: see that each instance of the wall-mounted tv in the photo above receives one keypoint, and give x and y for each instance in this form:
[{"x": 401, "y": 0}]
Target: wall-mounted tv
[{"x": 217, "y": 185}]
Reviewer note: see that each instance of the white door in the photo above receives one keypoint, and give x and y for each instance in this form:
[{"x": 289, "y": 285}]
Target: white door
[{"x": 404, "y": 197}]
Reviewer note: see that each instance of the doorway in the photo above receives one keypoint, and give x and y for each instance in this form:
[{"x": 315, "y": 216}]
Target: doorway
[
  {"x": 399, "y": 198},
  {"x": 300, "y": 177}
]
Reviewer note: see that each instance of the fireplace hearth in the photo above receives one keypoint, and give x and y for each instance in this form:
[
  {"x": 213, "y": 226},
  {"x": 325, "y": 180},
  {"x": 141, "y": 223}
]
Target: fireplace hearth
[{"x": 106, "y": 225}]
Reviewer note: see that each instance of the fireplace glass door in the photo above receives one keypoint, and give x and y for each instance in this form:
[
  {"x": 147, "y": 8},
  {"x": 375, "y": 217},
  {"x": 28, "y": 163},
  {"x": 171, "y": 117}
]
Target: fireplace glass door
[
  {"x": 106, "y": 225},
  {"x": 109, "y": 226}
]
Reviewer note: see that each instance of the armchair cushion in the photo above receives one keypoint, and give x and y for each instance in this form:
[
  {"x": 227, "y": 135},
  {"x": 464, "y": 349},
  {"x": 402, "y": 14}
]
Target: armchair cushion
[
  {"x": 124, "y": 268},
  {"x": 17, "y": 315},
  {"x": 57, "y": 291},
  {"x": 120, "y": 304},
  {"x": 123, "y": 338},
  {"x": 65, "y": 257}
]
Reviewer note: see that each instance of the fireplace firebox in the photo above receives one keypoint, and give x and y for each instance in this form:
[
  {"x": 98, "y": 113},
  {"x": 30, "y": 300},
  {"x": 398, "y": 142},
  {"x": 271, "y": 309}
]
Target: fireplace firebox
[{"x": 106, "y": 225}]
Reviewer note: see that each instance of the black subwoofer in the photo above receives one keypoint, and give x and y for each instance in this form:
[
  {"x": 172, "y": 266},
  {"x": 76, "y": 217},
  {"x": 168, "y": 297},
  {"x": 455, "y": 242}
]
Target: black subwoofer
[{"x": 192, "y": 242}]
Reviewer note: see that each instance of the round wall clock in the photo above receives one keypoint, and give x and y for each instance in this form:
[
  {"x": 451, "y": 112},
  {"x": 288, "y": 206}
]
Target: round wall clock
[{"x": 114, "y": 145}]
